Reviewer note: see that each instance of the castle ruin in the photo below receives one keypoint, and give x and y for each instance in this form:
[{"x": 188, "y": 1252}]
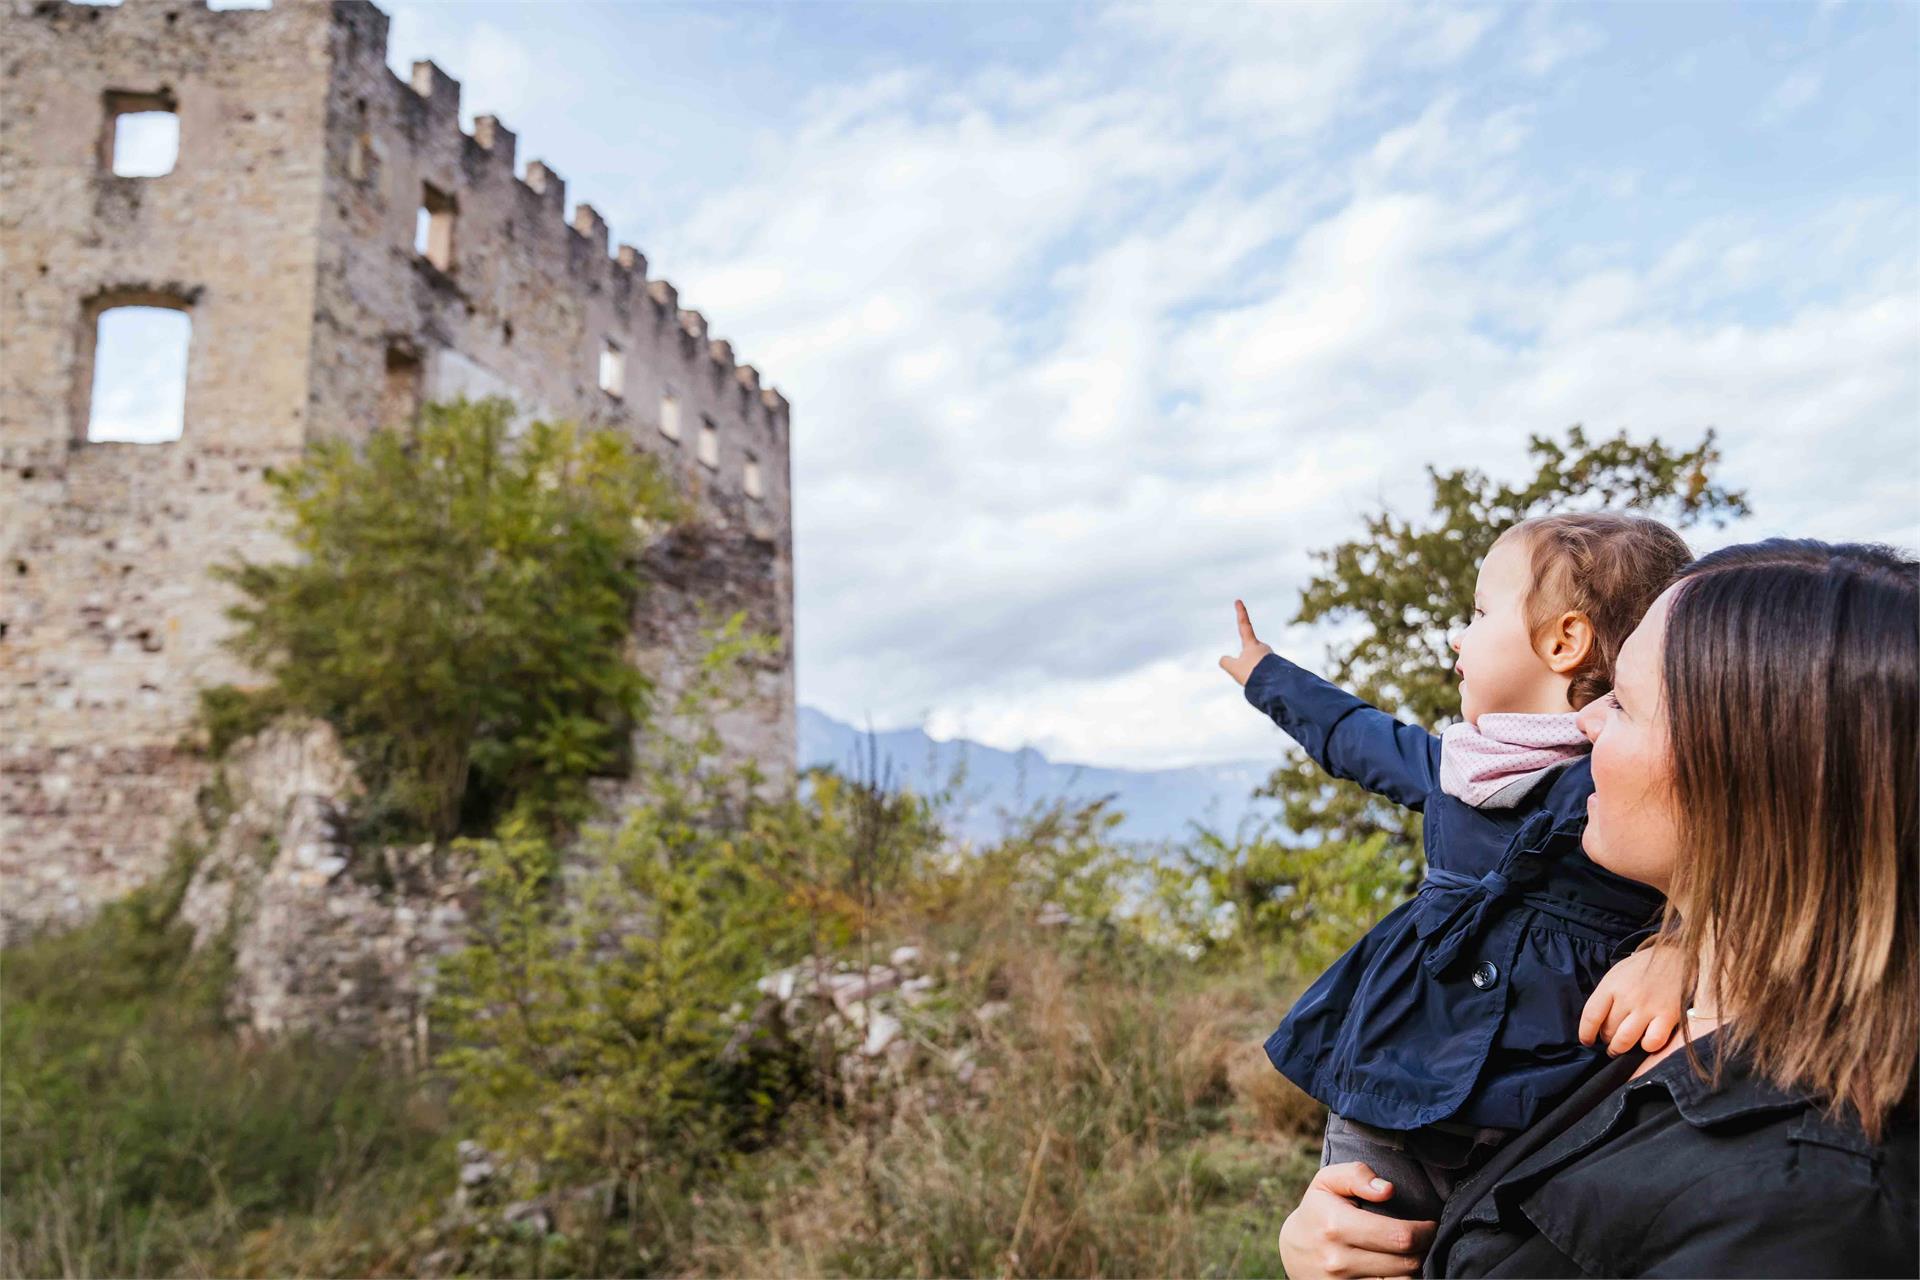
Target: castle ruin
[{"x": 343, "y": 251}]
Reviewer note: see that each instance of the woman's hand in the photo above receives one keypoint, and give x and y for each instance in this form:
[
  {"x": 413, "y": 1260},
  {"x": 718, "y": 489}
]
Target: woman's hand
[
  {"x": 1640, "y": 1001},
  {"x": 1251, "y": 649},
  {"x": 1328, "y": 1235}
]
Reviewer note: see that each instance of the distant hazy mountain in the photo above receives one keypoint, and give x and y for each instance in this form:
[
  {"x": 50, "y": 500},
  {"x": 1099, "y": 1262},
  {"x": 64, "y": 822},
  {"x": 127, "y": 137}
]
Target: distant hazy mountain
[{"x": 1158, "y": 804}]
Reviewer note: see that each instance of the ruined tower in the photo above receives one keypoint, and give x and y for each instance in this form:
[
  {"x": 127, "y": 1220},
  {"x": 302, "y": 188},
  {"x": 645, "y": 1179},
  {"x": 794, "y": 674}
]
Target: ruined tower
[{"x": 342, "y": 250}]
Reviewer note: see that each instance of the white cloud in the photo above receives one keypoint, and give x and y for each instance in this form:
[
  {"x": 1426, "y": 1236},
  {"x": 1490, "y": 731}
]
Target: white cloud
[
  {"x": 1794, "y": 93},
  {"x": 1291, "y": 70},
  {"x": 1549, "y": 41}
]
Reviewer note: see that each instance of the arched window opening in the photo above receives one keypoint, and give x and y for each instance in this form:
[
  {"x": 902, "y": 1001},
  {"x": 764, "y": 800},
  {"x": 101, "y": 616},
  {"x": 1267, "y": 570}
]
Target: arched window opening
[{"x": 138, "y": 390}]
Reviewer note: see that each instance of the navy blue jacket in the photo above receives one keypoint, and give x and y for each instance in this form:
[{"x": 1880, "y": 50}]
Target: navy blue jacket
[{"x": 1464, "y": 1002}]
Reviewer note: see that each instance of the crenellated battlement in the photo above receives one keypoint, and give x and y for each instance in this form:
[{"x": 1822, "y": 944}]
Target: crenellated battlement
[
  {"x": 583, "y": 238},
  {"x": 495, "y": 139},
  {"x": 440, "y": 91}
]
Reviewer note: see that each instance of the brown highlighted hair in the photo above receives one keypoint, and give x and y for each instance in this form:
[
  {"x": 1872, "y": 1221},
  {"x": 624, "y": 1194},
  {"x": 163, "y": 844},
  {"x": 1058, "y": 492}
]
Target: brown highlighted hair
[
  {"x": 1607, "y": 565},
  {"x": 1792, "y": 691}
]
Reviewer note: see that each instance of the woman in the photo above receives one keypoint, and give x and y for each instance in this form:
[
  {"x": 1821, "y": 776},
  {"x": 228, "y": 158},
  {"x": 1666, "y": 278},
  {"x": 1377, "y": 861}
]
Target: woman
[{"x": 1757, "y": 763}]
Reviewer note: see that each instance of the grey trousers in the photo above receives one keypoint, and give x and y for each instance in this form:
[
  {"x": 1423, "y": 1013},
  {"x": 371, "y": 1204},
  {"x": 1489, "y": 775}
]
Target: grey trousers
[{"x": 1424, "y": 1165}]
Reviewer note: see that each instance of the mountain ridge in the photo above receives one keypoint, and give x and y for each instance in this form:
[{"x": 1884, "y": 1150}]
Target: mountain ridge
[{"x": 1156, "y": 804}]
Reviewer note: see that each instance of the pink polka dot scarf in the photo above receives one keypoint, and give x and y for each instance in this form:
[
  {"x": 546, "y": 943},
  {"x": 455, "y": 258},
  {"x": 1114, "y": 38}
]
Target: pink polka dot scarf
[{"x": 1494, "y": 764}]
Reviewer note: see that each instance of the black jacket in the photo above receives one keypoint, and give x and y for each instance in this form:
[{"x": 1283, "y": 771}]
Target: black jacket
[{"x": 1662, "y": 1176}]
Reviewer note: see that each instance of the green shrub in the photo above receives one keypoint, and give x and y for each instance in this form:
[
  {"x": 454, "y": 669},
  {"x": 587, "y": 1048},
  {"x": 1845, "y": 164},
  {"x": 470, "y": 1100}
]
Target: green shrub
[
  {"x": 584, "y": 1026},
  {"x": 1299, "y": 905},
  {"x": 459, "y": 607},
  {"x": 229, "y": 713}
]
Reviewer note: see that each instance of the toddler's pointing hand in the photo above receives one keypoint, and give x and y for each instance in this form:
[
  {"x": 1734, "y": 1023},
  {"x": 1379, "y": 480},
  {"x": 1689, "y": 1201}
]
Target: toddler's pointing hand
[{"x": 1251, "y": 649}]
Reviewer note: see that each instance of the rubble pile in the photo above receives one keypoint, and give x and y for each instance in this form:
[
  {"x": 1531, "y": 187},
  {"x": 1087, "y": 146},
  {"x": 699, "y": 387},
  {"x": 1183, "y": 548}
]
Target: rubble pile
[{"x": 891, "y": 1024}]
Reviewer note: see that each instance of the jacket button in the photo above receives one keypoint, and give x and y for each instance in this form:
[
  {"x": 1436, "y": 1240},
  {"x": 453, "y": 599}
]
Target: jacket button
[{"x": 1485, "y": 974}]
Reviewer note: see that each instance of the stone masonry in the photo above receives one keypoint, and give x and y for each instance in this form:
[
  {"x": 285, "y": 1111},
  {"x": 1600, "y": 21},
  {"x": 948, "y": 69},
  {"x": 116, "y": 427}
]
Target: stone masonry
[{"x": 286, "y": 232}]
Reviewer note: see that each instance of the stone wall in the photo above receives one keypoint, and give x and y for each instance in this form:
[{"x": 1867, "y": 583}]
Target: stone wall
[
  {"x": 327, "y": 938},
  {"x": 110, "y": 622},
  {"x": 286, "y": 231}
]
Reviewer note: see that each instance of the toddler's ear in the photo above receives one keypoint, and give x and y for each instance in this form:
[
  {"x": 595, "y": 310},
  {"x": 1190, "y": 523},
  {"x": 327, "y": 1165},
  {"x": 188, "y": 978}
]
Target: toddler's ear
[{"x": 1569, "y": 644}]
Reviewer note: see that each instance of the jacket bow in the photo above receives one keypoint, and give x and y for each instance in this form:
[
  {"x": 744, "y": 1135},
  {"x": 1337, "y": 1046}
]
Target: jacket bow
[{"x": 1456, "y": 907}]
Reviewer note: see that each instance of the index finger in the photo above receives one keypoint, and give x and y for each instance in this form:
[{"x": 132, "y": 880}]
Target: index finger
[{"x": 1246, "y": 624}]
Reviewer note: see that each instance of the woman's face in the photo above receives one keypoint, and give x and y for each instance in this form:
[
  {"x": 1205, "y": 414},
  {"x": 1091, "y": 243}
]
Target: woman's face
[{"x": 1632, "y": 829}]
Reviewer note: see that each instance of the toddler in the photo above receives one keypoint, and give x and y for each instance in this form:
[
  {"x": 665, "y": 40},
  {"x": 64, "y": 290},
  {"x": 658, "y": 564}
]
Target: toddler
[{"x": 1458, "y": 1019}]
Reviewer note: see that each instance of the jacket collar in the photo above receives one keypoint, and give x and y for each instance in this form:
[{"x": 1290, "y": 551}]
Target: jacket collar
[{"x": 1741, "y": 1090}]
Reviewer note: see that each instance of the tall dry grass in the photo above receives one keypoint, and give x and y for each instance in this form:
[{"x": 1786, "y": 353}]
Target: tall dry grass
[{"x": 1131, "y": 1127}]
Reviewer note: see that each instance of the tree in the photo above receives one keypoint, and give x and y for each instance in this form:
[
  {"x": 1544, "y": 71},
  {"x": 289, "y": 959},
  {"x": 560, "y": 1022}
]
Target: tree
[
  {"x": 1407, "y": 584},
  {"x": 459, "y": 607}
]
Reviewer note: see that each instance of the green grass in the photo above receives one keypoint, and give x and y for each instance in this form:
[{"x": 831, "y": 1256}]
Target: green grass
[{"x": 140, "y": 1135}]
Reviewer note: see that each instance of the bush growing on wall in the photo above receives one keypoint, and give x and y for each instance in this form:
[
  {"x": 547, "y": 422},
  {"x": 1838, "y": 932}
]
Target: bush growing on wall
[{"x": 459, "y": 606}]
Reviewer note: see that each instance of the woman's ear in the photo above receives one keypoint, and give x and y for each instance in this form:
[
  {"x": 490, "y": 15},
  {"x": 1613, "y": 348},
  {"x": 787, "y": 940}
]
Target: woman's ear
[{"x": 1570, "y": 643}]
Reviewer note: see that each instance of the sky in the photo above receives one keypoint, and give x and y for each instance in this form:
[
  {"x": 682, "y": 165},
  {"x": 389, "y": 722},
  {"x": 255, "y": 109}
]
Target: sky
[{"x": 1095, "y": 318}]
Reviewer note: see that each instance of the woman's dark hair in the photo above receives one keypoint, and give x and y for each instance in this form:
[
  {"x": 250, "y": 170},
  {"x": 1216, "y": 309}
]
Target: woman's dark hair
[{"x": 1792, "y": 689}]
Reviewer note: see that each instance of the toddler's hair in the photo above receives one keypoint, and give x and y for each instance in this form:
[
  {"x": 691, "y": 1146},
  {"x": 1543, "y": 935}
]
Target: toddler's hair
[{"x": 1607, "y": 565}]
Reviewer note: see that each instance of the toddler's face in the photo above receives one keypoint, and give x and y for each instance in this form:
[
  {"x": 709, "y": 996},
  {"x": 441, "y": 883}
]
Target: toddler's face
[{"x": 1499, "y": 668}]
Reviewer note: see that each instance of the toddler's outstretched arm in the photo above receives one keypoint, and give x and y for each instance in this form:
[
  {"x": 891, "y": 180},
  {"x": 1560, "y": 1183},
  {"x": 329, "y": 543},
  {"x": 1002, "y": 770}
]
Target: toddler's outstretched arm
[
  {"x": 1640, "y": 1001},
  {"x": 1345, "y": 736}
]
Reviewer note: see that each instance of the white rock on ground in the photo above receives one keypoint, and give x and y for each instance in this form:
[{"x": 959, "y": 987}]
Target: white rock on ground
[{"x": 882, "y": 1031}]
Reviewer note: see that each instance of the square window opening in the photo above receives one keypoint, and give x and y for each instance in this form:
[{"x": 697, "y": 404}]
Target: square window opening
[
  {"x": 709, "y": 443},
  {"x": 142, "y": 137},
  {"x": 613, "y": 370},
  {"x": 138, "y": 392},
  {"x": 433, "y": 227}
]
